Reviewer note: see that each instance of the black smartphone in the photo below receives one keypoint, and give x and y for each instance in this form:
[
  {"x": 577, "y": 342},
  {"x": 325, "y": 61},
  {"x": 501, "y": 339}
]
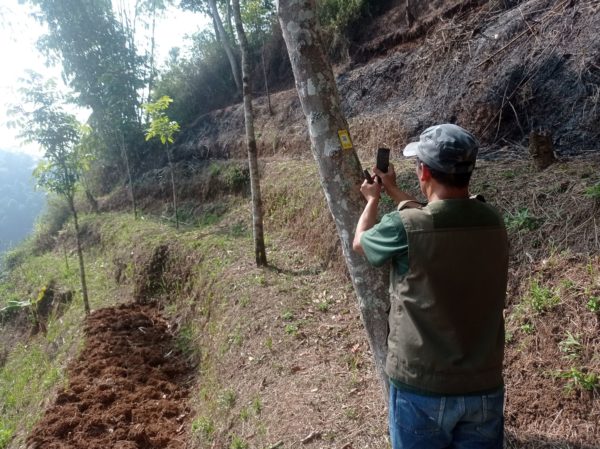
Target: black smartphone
[
  {"x": 368, "y": 176},
  {"x": 383, "y": 159}
]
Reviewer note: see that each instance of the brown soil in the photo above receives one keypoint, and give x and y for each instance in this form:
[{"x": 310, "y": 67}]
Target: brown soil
[{"x": 128, "y": 388}]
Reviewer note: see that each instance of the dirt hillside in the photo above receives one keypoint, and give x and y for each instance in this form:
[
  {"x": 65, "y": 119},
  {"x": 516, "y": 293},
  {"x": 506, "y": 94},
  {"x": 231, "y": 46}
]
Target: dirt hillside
[{"x": 499, "y": 68}]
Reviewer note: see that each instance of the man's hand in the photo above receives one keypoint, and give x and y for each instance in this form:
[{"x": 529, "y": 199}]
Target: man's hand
[
  {"x": 388, "y": 179},
  {"x": 370, "y": 191}
]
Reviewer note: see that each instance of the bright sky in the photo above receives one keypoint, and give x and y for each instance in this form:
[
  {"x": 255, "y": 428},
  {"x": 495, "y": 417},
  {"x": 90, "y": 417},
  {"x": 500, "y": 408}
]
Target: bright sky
[{"x": 18, "y": 34}]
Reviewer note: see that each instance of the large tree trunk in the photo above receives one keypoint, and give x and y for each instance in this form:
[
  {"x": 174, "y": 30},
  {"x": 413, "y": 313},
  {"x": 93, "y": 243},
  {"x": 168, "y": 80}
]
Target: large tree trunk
[
  {"x": 222, "y": 36},
  {"x": 339, "y": 167},
  {"x": 257, "y": 210},
  {"x": 86, "y": 303}
]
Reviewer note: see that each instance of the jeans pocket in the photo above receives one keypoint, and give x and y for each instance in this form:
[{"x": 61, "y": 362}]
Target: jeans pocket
[
  {"x": 492, "y": 416},
  {"x": 418, "y": 415}
]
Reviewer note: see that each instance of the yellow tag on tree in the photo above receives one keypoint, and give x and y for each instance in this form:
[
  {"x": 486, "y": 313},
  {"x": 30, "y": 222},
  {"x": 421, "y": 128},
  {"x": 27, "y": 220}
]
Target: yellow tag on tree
[{"x": 345, "y": 139}]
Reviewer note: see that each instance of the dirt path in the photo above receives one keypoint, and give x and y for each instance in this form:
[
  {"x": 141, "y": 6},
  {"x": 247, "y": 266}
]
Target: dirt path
[{"x": 128, "y": 389}]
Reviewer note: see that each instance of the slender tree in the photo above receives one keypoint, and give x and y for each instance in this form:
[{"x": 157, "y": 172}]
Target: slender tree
[
  {"x": 257, "y": 209},
  {"x": 164, "y": 129},
  {"x": 224, "y": 38},
  {"x": 210, "y": 7},
  {"x": 58, "y": 133},
  {"x": 339, "y": 168},
  {"x": 258, "y": 17}
]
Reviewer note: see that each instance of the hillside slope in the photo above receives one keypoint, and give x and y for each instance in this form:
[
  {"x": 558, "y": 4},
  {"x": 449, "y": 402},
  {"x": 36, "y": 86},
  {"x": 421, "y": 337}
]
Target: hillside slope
[
  {"x": 277, "y": 357},
  {"x": 282, "y": 359},
  {"x": 501, "y": 69}
]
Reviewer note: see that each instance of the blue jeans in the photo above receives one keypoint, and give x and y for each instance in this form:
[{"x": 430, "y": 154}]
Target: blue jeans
[{"x": 446, "y": 422}]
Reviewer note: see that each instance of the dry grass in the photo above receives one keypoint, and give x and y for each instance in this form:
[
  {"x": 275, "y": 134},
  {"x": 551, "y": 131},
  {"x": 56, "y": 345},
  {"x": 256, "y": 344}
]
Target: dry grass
[{"x": 289, "y": 337}]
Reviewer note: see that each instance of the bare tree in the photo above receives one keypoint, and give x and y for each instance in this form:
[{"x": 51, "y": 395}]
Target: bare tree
[
  {"x": 339, "y": 168},
  {"x": 257, "y": 209}
]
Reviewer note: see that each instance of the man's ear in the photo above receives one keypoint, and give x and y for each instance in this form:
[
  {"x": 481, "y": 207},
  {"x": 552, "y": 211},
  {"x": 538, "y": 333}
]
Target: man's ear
[{"x": 425, "y": 174}]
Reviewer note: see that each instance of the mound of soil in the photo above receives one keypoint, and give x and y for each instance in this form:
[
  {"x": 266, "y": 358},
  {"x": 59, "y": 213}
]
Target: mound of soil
[{"x": 128, "y": 389}]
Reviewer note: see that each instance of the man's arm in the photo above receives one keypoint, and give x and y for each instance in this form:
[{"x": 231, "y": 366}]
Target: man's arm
[{"x": 368, "y": 218}]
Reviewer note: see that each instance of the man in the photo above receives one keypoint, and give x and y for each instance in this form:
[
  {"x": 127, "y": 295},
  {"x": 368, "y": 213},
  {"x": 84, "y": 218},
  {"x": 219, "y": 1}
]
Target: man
[{"x": 449, "y": 263}]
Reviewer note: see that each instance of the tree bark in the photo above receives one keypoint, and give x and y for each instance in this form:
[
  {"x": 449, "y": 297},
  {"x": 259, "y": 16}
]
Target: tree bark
[
  {"x": 339, "y": 168},
  {"x": 86, "y": 303},
  {"x": 222, "y": 36},
  {"x": 257, "y": 209}
]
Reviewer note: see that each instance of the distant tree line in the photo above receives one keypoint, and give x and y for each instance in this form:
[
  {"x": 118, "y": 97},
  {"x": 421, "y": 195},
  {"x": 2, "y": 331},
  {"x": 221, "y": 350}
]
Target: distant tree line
[{"x": 20, "y": 204}]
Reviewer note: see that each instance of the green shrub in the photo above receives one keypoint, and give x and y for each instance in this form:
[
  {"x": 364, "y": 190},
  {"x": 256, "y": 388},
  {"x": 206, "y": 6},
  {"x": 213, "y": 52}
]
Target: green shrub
[
  {"x": 528, "y": 328},
  {"x": 570, "y": 346},
  {"x": 593, "y": 192},
  {"x": 227, "y": 398},
  {"x": 6, "y": 435},
  {"x": 340, "y": 14},
  {"x": 522, "y": 220},
  {"x": 203, "y": 426},
  {"x": 238, "y": 443},
  {"x": 593, "y": 304},
  {"x": 185, "y": 340},
  {"x": 541, "y": 298},
  {"x": 15, "y": 257},
  {"x": 323, "y": 306},
  {"x": 257, "y": 405},
  {"x": 338, "y": 19},
  {"x": 579, "y": 380},
  {"x": 237, "y": 178},
  {"x": 54, "y": 219},
  {"x": 291, "y": 329},
  {"x": 214, "y": 169}
]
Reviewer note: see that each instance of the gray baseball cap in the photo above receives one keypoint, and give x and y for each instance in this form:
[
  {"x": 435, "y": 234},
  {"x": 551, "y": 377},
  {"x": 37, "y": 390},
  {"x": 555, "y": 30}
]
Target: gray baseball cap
[{"x": 447, "y": 148}]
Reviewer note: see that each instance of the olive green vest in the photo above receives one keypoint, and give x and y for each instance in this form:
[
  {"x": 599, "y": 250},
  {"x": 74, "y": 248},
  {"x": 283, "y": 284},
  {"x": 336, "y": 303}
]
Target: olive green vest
[{"x": 446, "y": 315}]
